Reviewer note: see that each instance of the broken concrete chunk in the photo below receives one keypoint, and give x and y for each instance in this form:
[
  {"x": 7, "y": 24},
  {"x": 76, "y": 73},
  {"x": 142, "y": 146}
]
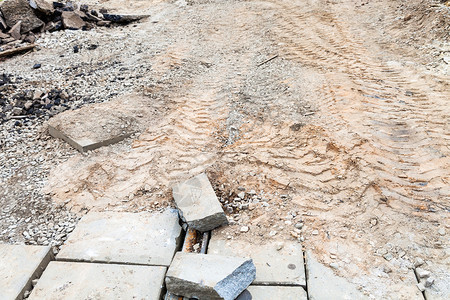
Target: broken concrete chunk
[
  {"x": 72, "y": 20},
  {"x": 42, "y": 6},
  {"x": 206, "y": 276},
  {"x": 198, "y": 204},
  {"x": 20, "y": 10},
  {"x": 15, "y": 31}
]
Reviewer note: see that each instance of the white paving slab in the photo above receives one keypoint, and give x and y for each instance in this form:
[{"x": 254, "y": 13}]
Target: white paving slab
[
  {"x": 19, "y": 265},
  {"x": 323, "y": 284},
  {"x": 130, "y": 238},
  {"x": 273, "y": 267},
  {"x": 273, "y": 292},
  {"x": 68, "y": 280}
]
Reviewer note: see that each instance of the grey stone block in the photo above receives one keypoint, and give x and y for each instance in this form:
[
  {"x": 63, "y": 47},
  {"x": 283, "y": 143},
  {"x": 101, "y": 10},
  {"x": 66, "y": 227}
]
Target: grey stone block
[
  {"x": 207, "y": 276},
  {"x": 323, "y": 284},
  {"x": 20, "y": 264},
  {"x": 130, "y": 238},
  {"x": 198, "y": 204},
  {"x": 273, "y": 267},
  {"x": 273, "y": 292},
  {"x": 66, "y": 280}
]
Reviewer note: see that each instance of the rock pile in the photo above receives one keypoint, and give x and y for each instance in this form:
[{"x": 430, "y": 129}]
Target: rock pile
[
  {"x": 30, "y": 103},
  {"x": 22, "y": 20}
]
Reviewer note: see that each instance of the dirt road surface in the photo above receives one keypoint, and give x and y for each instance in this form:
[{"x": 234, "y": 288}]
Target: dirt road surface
[{"x": 335, "y": 113}]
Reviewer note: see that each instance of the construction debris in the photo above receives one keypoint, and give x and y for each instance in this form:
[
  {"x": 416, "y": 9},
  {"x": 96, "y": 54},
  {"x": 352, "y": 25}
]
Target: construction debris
[
  {"x": 209, "y": 276},
  {"x": 198, "y": 204}
]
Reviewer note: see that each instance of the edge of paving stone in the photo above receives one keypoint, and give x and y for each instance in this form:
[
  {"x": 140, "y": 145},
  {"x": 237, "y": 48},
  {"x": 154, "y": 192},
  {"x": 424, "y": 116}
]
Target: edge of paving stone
[
  {"x": 48, "y": 257},
  {"x": 83, "y": 148}
]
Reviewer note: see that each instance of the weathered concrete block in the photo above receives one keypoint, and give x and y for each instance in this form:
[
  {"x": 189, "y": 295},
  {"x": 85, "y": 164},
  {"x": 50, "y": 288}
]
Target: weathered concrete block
[
  {"x": 323, "y": 284},
  {"x": 273, "y": 267},
  {"x": 207, "y": 276},
  {"x": 66, "y": 280},
  {"x": 20, "y": 264},
  {"x": 115, "y": 237},
  {"x": 198, "y": 204},
  {"x": 91, "y": 127},
  {"x": 254, "y": 292}
]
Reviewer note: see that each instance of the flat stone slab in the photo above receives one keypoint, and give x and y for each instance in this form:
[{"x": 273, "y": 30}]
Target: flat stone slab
[
  {"x": 323, "y": 284},
  {"x": 89, "y": 128},
  {"x": 67, "y": 280},
  {"x": 273, "y": 267},
  {"x": 255, "y": 292},
  {"x": 129, "y": 238},
  {"x": 20, "y": 264},
  {"x": 206, "y": 276},
  {"x": 198, "y": 204}
]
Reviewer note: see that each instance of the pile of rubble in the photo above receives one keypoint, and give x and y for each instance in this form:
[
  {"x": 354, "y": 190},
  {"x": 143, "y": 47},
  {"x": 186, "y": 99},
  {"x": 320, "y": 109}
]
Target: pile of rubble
[
  {"x": 22, "y": 20},
  {"x": 30, "y": 103}
]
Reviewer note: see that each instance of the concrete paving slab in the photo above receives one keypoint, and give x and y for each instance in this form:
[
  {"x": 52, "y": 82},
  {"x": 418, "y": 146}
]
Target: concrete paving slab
[
  {"x": 205, "y": 276},
  {"x": 254, "y": 292},
  {"x": 20, "y": 264},
  {"x": 198, "y": 204},
  {"x": 440, "y": 288},
  {"x": 130, "y": 238},
  {"x": 273, "y": 267},
  {"x": 323, "y": 284},
  {"x": 91, "y": 127},
  {"x": 68, "y": 280}
]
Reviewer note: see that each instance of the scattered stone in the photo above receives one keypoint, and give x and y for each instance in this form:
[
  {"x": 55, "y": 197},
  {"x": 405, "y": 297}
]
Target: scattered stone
[
  {"x": 276, "y": 263},
  {"x": 20, "y": 265},
  {"x": 123, "y": 19},
  {"x": 198, "y": 204},
  {"x": 36, "y": 66},
  {"x": 67, "y": 280},
  {"x": 20, "y": 10},
  {"x": 72, "y": 20},
  {"x": 421, "y": 286},
  {"x": 131, "y": 238},
  {"x": 241, "y": 195},
  {"x": 299, "y": 225},
  {"x": 421, "y": 273},
  {"x": 209, "y": 276},
  {"x": 388, "y": 256},
  {"x": 244, "y": 229},
  {"x": 42, "y": 6},
  {"x": 334, "y": 265},
  {"x": 419, "y": 261},
  {"x": 315, "y": 232},
  {"x": 429, "y": 282},
  {"x": 15, "y": 31},
  {"x": 441, "y": 231}
]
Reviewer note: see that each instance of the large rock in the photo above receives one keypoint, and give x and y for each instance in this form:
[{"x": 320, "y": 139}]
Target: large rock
[
  {"x": 42, "y": 6},
  {"x": 127, "y": 238},
  {"x": 72, "y": 20},
  {"x": 198, "y": 204},
  {"x": 20, "y": 10},
  {"x": 206, "y": 276}
]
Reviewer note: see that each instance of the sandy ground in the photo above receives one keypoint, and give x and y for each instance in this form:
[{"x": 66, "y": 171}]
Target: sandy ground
[{"x": 345, "y": 129}]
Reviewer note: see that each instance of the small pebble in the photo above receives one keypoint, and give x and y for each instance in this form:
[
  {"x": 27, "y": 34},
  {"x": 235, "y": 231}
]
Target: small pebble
[
  {"x": 36, "y": 66},
  {"x": 315, "y": 232},
  {"x": 244, "y": 229}
]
